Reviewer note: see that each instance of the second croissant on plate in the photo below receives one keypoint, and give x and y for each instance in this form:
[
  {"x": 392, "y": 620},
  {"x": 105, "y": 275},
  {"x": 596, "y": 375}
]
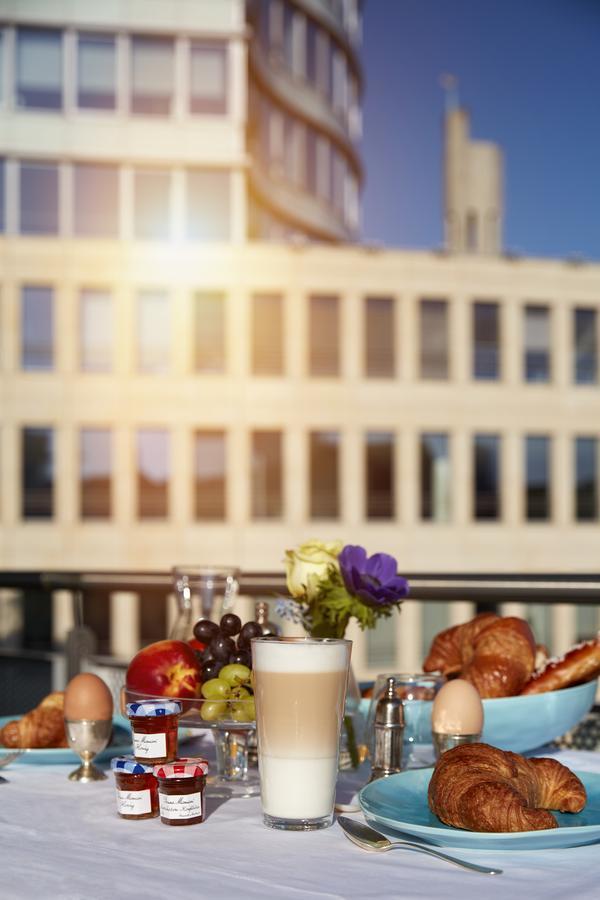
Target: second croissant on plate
[{"x": 481, "y": 788}]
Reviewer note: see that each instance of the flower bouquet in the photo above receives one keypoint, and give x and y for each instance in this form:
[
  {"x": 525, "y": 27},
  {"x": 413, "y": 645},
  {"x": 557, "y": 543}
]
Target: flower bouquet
[{"x": 331, "y": 583}]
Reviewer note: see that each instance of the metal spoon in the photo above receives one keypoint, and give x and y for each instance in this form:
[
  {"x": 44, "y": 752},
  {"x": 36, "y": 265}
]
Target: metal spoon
[{"x": 369, "y": 839}]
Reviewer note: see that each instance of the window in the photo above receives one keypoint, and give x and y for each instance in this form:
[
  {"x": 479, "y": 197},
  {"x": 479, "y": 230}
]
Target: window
[
  {"x": 486, "y": 341},
  {"x": 37, "y": 328},
  {"x": 298, "y": 45},
  {"x": 2, "y": 192},
  {"x": 324, "y": 336},
  {"x": 95, "y": 331},
  {"x": 586, "y": 346},
  {"x": 537, "y": 343},
  {"x": 2, "y": 57},
  {"x": 208, "y": 78},
  {"x": 208, "y": 198},
  {"x": 153, "y": 333},
  {"x": 153, "y": 471},
  {"x": 95, "y": 473},
  {"x": 39, "y": 68},
  {"x": 38, "y": 198},
  {"x": 434, "y": 339},
  {"x": 37, "y": 473},
  {"x": 209, "y": 332},
  {"x": 324, "y": 476},
  {"x": 323, "y": 168},
  {"x": 267, "y": 475},
  {"x": 472, "y": 238},
  {"x": 537, "y": 469},
  {"x": 209, "y": 475},
  {"x": 96, "y": 197},
  {"x": 267, "y": 334},
  {"x": 586, "y": 479},
  {"x": 380, "y": 475},
  {"x": 322, "y": 63},
  {"x": 152, "y": 60},
  {"x": 152, "y": 204},
  {"x": 435, "y": 478},
  {"x": 379, "y": 337},
  {"x": 96, "y": 71},
  {"x": 486, "y": 482}
]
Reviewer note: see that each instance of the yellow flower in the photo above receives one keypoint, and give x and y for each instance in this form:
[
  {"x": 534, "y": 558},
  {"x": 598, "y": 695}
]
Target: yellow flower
[{"x": 306, "y": 566}]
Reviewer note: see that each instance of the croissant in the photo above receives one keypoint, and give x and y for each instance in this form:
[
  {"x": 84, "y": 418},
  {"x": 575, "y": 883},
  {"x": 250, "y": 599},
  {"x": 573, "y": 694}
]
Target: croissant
[
  {"x": 497, "y": 655},
  {"x": 581, "y": 663},
  {"x": 44, "y": 726},
  {"x": 481, "y": 788}
]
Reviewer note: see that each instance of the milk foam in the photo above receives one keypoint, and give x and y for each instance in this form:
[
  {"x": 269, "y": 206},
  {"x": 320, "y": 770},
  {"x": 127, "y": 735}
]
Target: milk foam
[
  {"x": 299, "y": 656},
  {"x": 297, "y": 788}
]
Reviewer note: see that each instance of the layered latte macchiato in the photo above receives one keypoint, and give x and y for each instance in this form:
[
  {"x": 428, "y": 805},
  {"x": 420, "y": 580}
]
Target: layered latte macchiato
[{"x": 300, "y": 688}]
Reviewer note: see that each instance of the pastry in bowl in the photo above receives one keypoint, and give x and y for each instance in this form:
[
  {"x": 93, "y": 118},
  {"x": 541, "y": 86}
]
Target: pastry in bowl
[
  {"x": 478, "y": 787},
  {"x": 42, "y": 727}
]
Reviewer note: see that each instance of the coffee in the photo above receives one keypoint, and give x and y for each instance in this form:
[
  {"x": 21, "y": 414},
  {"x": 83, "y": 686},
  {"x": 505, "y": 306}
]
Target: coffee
[{"x": 300, "y": 688}]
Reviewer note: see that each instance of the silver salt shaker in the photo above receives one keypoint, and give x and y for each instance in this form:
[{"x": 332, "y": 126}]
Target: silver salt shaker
[{"x": 389, "y": 733}]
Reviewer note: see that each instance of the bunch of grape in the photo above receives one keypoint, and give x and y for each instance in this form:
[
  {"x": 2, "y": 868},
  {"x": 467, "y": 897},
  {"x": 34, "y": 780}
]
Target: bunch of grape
[{"x": 221, "y": 647}]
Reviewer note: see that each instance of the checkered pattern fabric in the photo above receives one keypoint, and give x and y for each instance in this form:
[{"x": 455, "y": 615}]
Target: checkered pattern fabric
[{"x": 154, "y": 708}]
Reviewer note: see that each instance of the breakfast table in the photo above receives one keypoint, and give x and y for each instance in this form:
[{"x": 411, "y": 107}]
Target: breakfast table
[{"x": 60, "y": 839}]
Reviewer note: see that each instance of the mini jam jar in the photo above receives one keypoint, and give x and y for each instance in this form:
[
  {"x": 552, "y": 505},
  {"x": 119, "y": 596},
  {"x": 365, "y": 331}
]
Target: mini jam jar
[
  {"x": 137, "y": 788},
  {"x": 181, "y": 791},
  {"x": 154, "y": 730}
]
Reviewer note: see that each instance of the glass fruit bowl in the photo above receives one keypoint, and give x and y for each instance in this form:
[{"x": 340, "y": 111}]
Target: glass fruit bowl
[{"x": 232, "y": 722}]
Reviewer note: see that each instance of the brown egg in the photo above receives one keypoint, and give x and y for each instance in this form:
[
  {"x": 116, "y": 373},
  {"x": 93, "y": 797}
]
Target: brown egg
[{"x": 87, "y": 697}]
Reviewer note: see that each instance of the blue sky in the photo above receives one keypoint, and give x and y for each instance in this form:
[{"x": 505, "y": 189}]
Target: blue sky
[{"x": 529, "y": 73}]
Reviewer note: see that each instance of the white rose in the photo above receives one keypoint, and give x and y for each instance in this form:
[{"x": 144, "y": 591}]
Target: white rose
[{"x": 306, "y": 566}]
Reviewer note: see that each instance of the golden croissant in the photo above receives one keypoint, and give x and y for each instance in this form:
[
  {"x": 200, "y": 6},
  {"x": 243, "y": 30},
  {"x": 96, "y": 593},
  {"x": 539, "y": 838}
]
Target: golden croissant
[
  {"x": 481, "y": 788},
  {"x": 497, "y": 655},
  {"x": 43, "y": 727}
]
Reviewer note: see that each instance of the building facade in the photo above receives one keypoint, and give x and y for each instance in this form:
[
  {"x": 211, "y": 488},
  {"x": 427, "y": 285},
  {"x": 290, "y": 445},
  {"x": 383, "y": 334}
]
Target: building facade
[{"x": 171, "y": 391}]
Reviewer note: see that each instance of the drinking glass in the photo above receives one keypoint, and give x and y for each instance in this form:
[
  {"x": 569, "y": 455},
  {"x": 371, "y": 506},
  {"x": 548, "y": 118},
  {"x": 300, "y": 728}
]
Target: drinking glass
[
  {"x": 417, "y": 693},
  {"x": 203, "y": 592},
  {"x": 299, "y": 692}
]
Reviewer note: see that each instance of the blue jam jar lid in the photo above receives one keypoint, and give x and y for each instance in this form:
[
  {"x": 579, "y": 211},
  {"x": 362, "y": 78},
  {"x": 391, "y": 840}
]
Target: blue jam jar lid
[
  {"x": 154, "y": 708},
  {"x": 130, "y": 766}
]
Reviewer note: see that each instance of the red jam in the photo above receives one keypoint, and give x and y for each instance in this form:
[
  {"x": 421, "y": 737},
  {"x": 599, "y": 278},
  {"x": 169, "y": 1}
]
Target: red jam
[
  {"x": 181, "y": 791},
  {"x": 137, "y": 795},
  {"x": 154, "y": 738}
]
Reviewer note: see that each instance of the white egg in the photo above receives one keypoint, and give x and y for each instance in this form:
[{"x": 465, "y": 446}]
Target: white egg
[{"x": 457, "y": 709}]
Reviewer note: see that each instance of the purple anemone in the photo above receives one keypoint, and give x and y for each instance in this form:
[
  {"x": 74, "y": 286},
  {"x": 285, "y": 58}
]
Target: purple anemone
[{"x": 374, "y": 578}]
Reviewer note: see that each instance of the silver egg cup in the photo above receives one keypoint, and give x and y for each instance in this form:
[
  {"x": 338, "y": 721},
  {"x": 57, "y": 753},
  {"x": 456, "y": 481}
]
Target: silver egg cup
[
  {"x": 443, "y": 742},
  {"x": 87, "y": 738}
]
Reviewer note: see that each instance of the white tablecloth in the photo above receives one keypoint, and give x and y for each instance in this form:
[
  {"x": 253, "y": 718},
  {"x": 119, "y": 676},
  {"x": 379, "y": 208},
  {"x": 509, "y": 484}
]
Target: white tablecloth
[{"x": 64, "y": 840}]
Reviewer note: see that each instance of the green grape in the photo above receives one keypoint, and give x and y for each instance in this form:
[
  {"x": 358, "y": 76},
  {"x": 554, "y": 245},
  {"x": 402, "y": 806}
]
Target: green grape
[
  {"x": 213, "y": 710},
  {"x": 216, "y": 689},
  {"x": 243, "y": 711},
  {"x": 239, "y": 693},
  {"x": 235, "y": 674}
]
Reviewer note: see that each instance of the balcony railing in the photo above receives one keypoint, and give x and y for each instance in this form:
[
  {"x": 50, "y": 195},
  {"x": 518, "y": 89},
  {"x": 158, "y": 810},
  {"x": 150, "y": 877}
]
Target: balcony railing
[{"x": 137, "y": 607}]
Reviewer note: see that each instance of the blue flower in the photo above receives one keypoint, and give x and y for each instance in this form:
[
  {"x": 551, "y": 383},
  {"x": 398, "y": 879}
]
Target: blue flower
[{"x": 374, "y": 578}]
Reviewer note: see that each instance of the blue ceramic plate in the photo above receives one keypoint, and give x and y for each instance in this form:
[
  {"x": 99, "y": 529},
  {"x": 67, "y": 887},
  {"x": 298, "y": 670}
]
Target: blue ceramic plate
[
  {"x": 120, "y": 744},
  {"x": 399, "y": 804}
]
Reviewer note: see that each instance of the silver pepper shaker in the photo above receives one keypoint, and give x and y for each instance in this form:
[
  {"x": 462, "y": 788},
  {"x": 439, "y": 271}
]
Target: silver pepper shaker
[{"x": 389, "y": 733}]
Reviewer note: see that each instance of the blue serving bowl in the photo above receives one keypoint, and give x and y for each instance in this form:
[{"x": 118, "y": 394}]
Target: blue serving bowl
[
  {"x": 519, "y": 724},
  {"x": 530, "y": 721}
]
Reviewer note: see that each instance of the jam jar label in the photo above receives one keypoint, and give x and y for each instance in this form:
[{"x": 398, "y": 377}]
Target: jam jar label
[
  {"x": 180, "y": 806},
  {"x": 150, "y": 746},
  {"x": 133, "y": 803}
]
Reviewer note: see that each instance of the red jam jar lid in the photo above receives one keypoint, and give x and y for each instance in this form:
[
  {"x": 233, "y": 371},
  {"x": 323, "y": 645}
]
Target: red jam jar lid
[{"x": 189, "y": 767}]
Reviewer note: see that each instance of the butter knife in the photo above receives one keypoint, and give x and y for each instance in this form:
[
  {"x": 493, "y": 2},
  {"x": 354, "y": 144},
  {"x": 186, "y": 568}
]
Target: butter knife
[{"x": 369, "y": 839}]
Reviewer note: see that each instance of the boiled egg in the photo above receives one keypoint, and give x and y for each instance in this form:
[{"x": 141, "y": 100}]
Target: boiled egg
[
  {"x": 87, "y": 697},
  {"x": 457, "y": 709}
]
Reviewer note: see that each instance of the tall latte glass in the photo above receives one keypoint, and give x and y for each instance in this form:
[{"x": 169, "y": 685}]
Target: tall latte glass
[{"x": 299, "y": 692}]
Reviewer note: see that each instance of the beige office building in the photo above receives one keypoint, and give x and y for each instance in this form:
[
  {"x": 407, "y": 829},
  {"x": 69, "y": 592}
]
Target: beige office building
[{"x": 173, "y": 391}]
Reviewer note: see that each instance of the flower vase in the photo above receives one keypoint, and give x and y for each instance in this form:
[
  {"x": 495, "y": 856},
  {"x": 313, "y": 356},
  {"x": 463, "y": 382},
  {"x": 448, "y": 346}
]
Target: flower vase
[{"x": 348, "y": 756}]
